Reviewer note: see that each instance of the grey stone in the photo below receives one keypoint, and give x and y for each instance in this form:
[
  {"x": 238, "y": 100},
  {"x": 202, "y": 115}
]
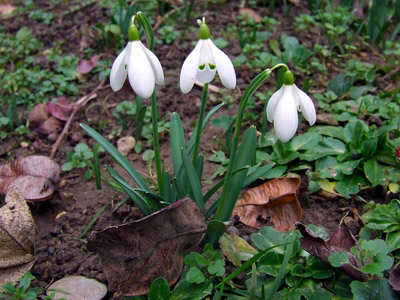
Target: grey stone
[{"x": 78, "y": 288}]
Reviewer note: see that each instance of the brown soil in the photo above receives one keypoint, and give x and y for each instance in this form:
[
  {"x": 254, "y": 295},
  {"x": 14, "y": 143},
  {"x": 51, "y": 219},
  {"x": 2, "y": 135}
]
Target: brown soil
[{"x": 61, "y": 220}]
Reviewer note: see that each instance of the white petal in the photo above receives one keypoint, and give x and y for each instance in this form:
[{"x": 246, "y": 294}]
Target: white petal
[
  {"x": 273, "y": 101},
  {"x": 224, "y": 66},
  {"x": 285, "y": 117},
  {"x": 140, "y": 73},
  {"x": 307, "y": 106},
  {"x": 189, "y": 69},
  {"x": 206, "y": 75},
  {"x": 118, "y": 70},
  {"x": 156, "y": 65}
]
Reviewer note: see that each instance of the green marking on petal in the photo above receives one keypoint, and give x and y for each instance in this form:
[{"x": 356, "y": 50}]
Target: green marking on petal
[
  {"x": 202, "y": 67},
  {"x": 212, "y": 67},
  {"x": 126, "y": 66}
]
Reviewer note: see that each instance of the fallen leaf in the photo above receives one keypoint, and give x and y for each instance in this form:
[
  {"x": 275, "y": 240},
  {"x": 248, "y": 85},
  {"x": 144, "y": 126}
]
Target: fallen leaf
[
  {"x": 60, "y": 109},
  {"x": 6, "y": 8},
  {"x": 42, "y": 121},
  {"x": 236, "y": 249},
  {"x": 274, "y": 201},
  {"x": 85, "y": 66},
  {"x": 136, "y": 253},
  {"x": 248, "y": 12},
  {"x": 17, "y": 234},
  {"x": 340, "y": 241},
  {"x": 32, "y": 175},
  {"x": 126, "y": 144},
  {"x": 394, "y": 278}
]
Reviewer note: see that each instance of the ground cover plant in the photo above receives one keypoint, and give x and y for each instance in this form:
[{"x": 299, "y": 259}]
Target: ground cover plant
[{"x": 207, "y": 149}]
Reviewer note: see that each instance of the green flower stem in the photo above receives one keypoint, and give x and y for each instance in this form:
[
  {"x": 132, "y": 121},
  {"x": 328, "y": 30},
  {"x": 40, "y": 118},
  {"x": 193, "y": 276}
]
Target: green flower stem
[
  {"x": 156, "y": 142},
  {"x": 221, "y": 213},
  {"x": 199, "y": 127}
]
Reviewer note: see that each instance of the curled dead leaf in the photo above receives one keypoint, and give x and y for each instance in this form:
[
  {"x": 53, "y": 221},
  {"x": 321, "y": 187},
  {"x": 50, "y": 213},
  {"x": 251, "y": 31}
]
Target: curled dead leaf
[
  {"x": 250, "y": 13},
  {"x": 17, "y": 234},
  {"x": 136, "y": 253},
  {"x": 60, "y": 109},
  {"x": 85, "y": 66},
  {"x": 275, "y": 201},
  {"x": 32, "y": 175},
  {"x": 42, "y": 121},
  {"x": 394, "y": 278},
  {"x": 6, "y": 8},
  {"x": 340, "y": 241}
]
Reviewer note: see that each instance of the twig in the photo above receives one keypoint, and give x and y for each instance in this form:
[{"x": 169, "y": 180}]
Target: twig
[{"x": 78, "y": 105}]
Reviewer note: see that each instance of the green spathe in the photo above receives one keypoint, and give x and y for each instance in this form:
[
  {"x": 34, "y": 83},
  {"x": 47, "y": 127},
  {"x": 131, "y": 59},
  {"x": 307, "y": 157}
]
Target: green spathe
[
  {"x": 204, "y": 32},
  {"x": 288, "y": 78},
  {"x": 133, "y": 33}
]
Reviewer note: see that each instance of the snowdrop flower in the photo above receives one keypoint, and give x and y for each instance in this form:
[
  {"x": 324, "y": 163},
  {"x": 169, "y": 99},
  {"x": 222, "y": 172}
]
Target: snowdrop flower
[
  {"x": 140, "y": 65},
  {"x": 283, "y": 105},
  {"x": 204, "y": 61}
]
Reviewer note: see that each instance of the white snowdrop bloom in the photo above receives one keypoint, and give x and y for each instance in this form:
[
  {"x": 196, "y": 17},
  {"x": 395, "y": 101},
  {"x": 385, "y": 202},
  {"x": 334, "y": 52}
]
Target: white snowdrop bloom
[
  {"x": 283, "y": 105},
  {"x": 204, "y": 62},
  {"x": 140, "y": 65}
]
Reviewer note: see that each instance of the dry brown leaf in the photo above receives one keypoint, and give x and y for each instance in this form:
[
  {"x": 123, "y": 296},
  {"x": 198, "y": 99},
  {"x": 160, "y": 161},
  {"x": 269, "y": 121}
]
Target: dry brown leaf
[
  {"x": 274, "y": 201},
  {"x": 6, "y": 8},
  {"x": 33, "y": 175},
  {"x": 17, "y": 234},
  {"x": 340, "y": 240},
  {"x": 248, "y": 12},
  {"x": 136, "y": 253}
]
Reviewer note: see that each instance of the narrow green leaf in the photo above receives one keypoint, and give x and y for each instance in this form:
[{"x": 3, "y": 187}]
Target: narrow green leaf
[
  {"x": 116, "y": 155},
  {"x": 140, "y": 202},
  {"x": 244, "y": 158},
  {"x": 93, "y": 220},
  {"x": 96, "y": 164},
  {"x": 177, "y": 141},
  {"x": 193, "y": 180}
]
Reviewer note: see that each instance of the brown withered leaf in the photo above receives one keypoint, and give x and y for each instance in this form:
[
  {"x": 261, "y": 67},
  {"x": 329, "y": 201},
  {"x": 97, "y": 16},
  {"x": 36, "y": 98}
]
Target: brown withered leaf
[
  {"x": 85, "y": 66},
  {"x": 394, "y": 278},
  {"x": 136, "y": 253},
  {"x": 250, "y": 13},
  {"x": 60, "y": 109},
  {"x": 340, "y": 241},
  {"x": 275, "y": 201},
  {"x": 32, "y": 175},
  {"x": 42, "y": 121},
  {"x": 17, "y": 234},
  {"x": 6, "y": 8}
]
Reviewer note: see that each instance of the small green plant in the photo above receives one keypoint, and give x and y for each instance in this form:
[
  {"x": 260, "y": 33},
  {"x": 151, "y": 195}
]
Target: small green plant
[
  {"x": 81, "y": 157},
  {"x": 167, "y": 34},
  {"x": 125, "y": 113},
  {"x": 24, "y": 291},
  {"x": 374, "y": 257}
]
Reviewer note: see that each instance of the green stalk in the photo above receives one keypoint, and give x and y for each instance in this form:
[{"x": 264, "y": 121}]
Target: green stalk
[
  {"x": 199, "y": 126},
  {"x": 222, "y": 214},
  {"x": 154, "y": 120}
]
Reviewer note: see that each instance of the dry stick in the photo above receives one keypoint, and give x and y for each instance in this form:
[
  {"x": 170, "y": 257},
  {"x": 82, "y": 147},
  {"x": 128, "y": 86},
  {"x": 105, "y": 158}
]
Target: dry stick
[{"x": 79, "y": 104}]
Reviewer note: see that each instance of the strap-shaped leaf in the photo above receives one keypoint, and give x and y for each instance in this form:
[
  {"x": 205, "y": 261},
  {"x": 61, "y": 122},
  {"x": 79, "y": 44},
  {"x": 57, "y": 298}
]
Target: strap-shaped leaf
[
  {"x": 177, "y": 141},
  {"x": 140, "y": 202},
  {"x": 193, "y": 180},
  {"x": 116, "y": 155}
]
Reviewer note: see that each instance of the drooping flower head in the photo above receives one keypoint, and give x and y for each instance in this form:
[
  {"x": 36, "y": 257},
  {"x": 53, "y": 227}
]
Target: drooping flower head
[
  {"x": 138, "y": 63},
  {"x": 283, "y": 105},
  {"x": 205, "y": 61}
]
